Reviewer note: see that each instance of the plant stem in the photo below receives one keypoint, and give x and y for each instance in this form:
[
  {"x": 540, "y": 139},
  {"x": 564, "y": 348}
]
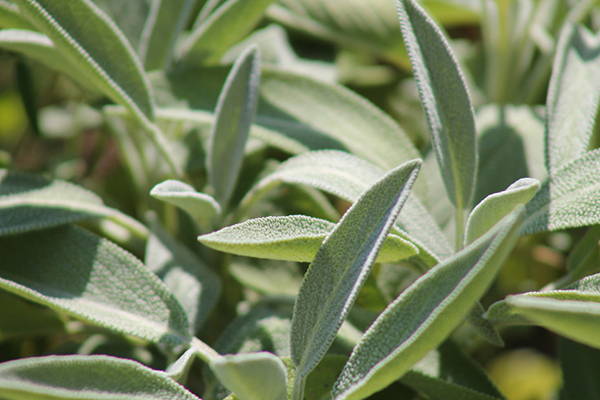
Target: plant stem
[
  {"x": 298, "y": 390},
  {"x": 459, "y": 220}
]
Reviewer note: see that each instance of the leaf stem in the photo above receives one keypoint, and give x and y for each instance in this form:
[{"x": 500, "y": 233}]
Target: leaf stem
[
  {"x": 459, "y": 220},
  {"x": 206, "y": 353},
  {"x": 298, "y": 390}
]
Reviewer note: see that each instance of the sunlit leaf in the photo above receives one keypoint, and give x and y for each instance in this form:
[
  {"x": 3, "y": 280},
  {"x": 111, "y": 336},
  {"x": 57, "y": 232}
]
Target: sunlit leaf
[{"x": 184, "y": 196}]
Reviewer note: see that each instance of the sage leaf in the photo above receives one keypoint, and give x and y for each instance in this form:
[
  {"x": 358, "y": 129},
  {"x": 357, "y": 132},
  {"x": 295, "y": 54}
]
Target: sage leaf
[
  {"x": 30, "y": 202},
  {"x": 425, "y": 313},
  {"x": 290, "y": 238},
  {"x": 568, "y": 199},
  {"x": 573, "y": 96},
  {"x": 21, "y": 319},
  {"x": 166, "y": 20},
  {"x": 129, "y": 15},
  {"x": 495, "y": 206},
  {"x": 11, "y": 18},
  {"x": 252, "y": 376},
  {"x": 184, "y": 196},
  {"x": 84, "y": 276},
  {"x": 446, "y": 101},
  {"x": 274, "y": 278},
  {"x": 179, "y": 370},
  {"x": 577, "y": 361},
  {"x": 89, "y": 377},
  {"x": 234, "y": 115},
  {"x": 342, "y": 264},
  {"x": 226, "y": 26}
]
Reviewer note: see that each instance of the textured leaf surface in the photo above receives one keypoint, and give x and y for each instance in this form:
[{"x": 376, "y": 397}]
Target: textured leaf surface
[
  {"x": 30, "y": 202},
  {"x": 184, "y": 196},
  {"x": 445, "y": 99},
  {"x": 568, "y": 199},
  {"x": 291, "y": 238},
  {"x": 234, "y": 115},
  {"x": 572, "y": 96},
  {"x": 86, "y": 377},
  {"x": 342, "y": 264},
  {"x": 425, "y": 313},
  {"x": 252, "y": 376},
  {"x": 90, "y": 278},
  {"x": 494, "y": 207},
  {"x": 222, "y": 29},
  {"x": 579, "y": 366}
]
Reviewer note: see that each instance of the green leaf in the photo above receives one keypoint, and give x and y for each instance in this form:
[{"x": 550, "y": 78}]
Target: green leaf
[
  {"x": 84, "y": 276},
  {"x": 446, "y": 102},
  {"x": 252, "y": 376},
  {"x": 290, "y": 238},
  {"x": 579, "y": 365},
  {"x": 20, "y": 318},
  {"x": 572, "y": 96},
  {"x": 86, "y": 377},
  {"x": 180, "y": 369},
  {"x": 568, "y": 198},
  {"x": 195, "y": 285},
  {"x": 11, "y": 18},
  {"x": 425, "y": 313},
  {"x": 226, "y": 26},
  {"x": 30, "y": 202},
  {"x": 494, "y": 207},
  {"x": 166, "y": 20},
  {"x": 268, "y": 277},
  {"x": 130, "y": 16},
  {"x": 234, "y": 115},
  {"x": 184, "y": 196},
  {"x": 341, "y": 266}
]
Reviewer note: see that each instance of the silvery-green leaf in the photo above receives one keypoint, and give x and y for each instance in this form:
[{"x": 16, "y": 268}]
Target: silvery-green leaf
[
  {"x": 445, "y": 99},
  {"x": 184, "y": 196},
  {"x": 252, "y": 376},
  {"x": 130, "y": 16},
  {"x": 86, "y": 377},
  {"x": 166, "y": 20},
  {"x": 573, "y": 96},
  {"x": 342, "y": 264},
  {"x": 568, "y": 199},
  {"x": 11, "y": 18},
  {"x": 495, "y": 206},
  {"x": 195, "y": 285},
  {"x": 268, "y": 277},
  {"x": 291, "y": 238},
  {"x": 579, "y": 364},
  {"x": 226, "y": 26},
  {"x": 84, "y": 276},
  {"x": 484, "y": 328},
  {"x": 426, "y": 313},
  {"x": 178, "y": 371},
  {"x": 347, "y": 176},
  {"x": 21, "y": 319},
  {"x": 30, "y": 202},
  {"x": 234, "y": 116}
]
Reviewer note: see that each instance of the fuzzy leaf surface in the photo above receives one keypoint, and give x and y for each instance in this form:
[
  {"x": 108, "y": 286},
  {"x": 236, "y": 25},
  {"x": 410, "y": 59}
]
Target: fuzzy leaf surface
[
  {"x": 290, "y": 238},
  {"x": 342, "y": 264},
  {"x": 86, "y": 377},
  {"x": 90, "y": 278},
  {"x": 446, "y": 101},
  {"x": 573, "y": 96},
  {"x": 234, "y": 116},
  {"x": 184, "y": 196},
  {"x": 425, "y": 313}
]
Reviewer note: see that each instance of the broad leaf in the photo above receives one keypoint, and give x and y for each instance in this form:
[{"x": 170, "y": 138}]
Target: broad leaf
[
  {"x": 445, "y": 99},
  {"x": 494, "y": 207},
  {"x": 290, "y": 238},
  {"x": 234, "y": 115},
  {"x": 341, "y": 266},
  {"x": 579, "y": 365},
  {"x": 573, "y": 96},
  {"x": 20, "y": 318},
  {"x": 425, "y": 313},
  {"x": 252, "y": 376},
  {"x": 84, "y": 276},
  {"x": 222, "y": 29},
  {"x": 568, "y": 199},
  {"x": 86, "y": 377},
  {"x": 184, "y": 196},
  {"x": 30, "y": 202}
]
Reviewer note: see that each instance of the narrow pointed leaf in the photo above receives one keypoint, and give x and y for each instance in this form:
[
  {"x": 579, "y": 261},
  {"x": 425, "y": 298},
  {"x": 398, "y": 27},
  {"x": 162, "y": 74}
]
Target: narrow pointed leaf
[
  {"x": 234, "y": 116},
  {"x": 425, "y": 313},
  {"x": 579, "y": 364},
  {"x": 342, "y": 264},
  {"x": 252, "y": 376},
  {"x": 290, "y": 238},
  {"x": 226, "y": 26},
  {"x": 86, "y": 377},
  {"x": 495, "y": 206},
  {"x": 445, "y": 99},
  {"x": 184, "y": 196},
  {"x": 568, "y": 199},
  {"x": 572, "y": 96},
  {"x": 84, "y": 276}
]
